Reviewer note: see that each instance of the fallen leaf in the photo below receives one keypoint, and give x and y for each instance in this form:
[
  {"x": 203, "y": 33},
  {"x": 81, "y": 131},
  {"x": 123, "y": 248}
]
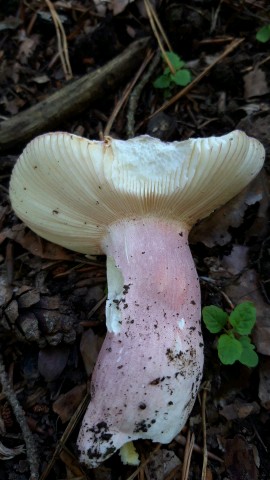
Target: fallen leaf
[
  {"x": 162, "y": 463},
  {"x": 214, "y": 229},
  {"x": 74, "y": 469},
  {"x": 119, "y": 5},
  {"x": 239, "y": 409},
  {"x": 66, "y": 404},
  {"x": 239, "y": 459},
  {"x": 10, "y": 23},
  {"x": 34, "y": 244},
  {"x": 27, "y": 48},
  {"x": 255, "y": 84},
  {"x": 89, "y": 348},
  {"x": 52, "y": 361}
]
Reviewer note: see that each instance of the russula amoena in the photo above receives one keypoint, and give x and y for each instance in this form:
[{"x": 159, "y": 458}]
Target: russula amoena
[{"x": 135, "y": 201}]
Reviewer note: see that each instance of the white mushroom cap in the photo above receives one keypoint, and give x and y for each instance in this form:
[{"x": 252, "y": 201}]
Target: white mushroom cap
[{"x": 69, "y": 189}]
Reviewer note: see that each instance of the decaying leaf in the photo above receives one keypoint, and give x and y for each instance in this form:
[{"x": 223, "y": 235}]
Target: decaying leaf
[
  {"x": 34, "y": 244},
  {"x": 52, "y": 361},
  {"x": 74, "y": 469},
  {"x": 214, "y": 230},
  {"x": 239, "y": 409},
  {"x": 119, "y": 5},
  {"x": 255, "y": 84},
  {"x": 27, "y": 48},
  {"x": 162, "y": 463},
  {"x": 89, "y": 348},
  {"x": 66, "y": 404},
  {"x": 239, "y": 459}
]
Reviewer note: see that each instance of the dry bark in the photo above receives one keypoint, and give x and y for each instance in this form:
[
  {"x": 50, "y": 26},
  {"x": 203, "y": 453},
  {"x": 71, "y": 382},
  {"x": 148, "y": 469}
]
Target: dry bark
[{"x": 70, "y": 100}]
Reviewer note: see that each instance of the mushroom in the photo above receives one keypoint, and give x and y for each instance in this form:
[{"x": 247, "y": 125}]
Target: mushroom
[{"x": 135, "y": 201}]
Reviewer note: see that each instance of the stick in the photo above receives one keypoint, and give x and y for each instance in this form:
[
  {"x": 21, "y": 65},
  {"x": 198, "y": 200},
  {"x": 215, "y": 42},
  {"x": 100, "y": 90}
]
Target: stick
[
  {"x": 232, "y": 46},
  {"x": 71, "y": 100},
  {"x": 20, "y": 417}
]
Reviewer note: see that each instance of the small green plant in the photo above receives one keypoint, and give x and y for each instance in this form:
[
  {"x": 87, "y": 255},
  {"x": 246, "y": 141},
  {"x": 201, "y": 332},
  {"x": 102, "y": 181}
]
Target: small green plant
[
  {"x": 234, "y": 344},
  {"x": 263, "y": 34},
  {"x": 168, "y": 80}
]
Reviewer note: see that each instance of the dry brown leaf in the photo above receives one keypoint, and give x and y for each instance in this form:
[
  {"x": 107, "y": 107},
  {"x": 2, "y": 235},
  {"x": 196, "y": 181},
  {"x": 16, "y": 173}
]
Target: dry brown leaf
[
  {"x": 10, "y": 23},
  {"x": 214, "y": 229},
  {"x": 239, "y": 409},
  {"x": 255, "y": 84},
  {"x": 161, "y": 464},
  {"x": 74, "y": 470},
  {"x": 52, "y": 361},
  {"x": 89, "y": 348},
  {"x": 34, "y": 244},
  {"x": 27, "y": 48},
  {"x": 119, "y": 5},
  {"x": 239, "y": 459},
  {"x": 66, "y": 405}
]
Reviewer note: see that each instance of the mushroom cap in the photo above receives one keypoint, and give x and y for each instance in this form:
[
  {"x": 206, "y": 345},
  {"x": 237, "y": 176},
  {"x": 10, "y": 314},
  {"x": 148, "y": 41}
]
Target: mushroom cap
[{"x": 69, "y": 190}]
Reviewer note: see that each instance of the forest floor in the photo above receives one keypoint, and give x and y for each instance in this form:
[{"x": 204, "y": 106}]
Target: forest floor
[{"x": 52, "y": 301}]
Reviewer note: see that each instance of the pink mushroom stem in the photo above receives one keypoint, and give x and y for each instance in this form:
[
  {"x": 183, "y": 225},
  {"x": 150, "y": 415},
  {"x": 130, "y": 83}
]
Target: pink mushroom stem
[{"x": 149, "y": 368}]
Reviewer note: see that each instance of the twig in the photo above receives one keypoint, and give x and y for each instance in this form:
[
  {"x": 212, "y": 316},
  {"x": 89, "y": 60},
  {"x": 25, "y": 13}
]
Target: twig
[
  {"x": 96, "y": 307},
  {"x": 143, "y": 464},
  {"x": 61, "y": 444},
  {"x": 135, "y": 95},
  {"x": 9, "y": 262},
  {"x": 155, "y": 24},
  {"x": 232, "y": 46},
  {"x": 197, "y": 449},
  {"x": 187, "y": 455},
  {"x": 206, "y": 388},
  {"x": 61, "y": 40},
  {"x": 20, "y": 417}
]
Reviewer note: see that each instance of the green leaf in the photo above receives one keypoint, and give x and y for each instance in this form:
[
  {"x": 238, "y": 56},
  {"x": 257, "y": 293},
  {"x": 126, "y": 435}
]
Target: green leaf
[
  {"x": 162, "y": 82},
  {"x": 248, "y": 356},
  {"x": 214, "y": 318},
  {"x": 175, "y": 60},
  {"x": 229, "y": 349},
  {"x": 181, "y": 77},
  {"x": 243, "y": 318},
  {"x": 263, "y": 34}
]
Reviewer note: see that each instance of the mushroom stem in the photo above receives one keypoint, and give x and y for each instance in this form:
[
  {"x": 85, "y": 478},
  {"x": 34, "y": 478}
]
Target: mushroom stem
[{"x": 149, "y": 368}]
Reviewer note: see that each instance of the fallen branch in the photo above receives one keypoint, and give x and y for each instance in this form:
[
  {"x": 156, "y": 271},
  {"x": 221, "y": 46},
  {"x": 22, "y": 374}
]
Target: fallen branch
[{"x": 70, "y": 100}]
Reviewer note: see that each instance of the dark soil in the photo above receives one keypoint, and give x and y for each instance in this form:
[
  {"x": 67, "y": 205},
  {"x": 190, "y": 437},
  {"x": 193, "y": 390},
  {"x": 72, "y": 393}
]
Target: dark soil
[{"x": 47, "y": 293}]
